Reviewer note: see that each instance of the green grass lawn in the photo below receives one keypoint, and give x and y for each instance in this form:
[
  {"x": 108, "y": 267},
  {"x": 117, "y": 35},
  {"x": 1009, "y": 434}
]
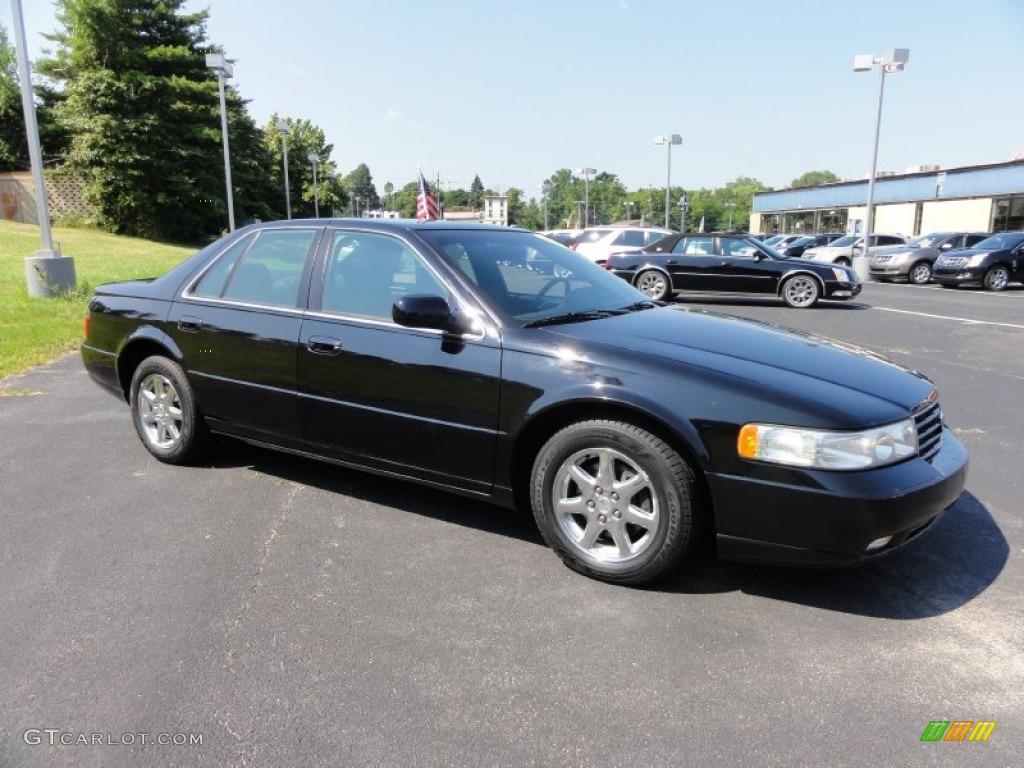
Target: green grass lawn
[{"x": 35, "y": 331}]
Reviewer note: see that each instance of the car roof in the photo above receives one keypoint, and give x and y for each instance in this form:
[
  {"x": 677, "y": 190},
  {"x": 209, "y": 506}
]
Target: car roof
[{"x": 384, "y": 225}]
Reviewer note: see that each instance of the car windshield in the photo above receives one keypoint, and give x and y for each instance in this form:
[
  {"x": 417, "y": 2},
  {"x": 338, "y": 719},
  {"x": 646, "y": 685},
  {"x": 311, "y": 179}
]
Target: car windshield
[
  {"x": 842, "y": 242},
  {"x": 926, "y": 241},
  {"x": 529, "y": 280},
  {"x": 1004, "y": 241},
  {"x": 801, "y": 241}
]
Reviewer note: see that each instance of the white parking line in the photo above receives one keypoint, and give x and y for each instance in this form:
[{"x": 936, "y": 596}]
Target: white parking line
[{"x": 965, "y": 320}]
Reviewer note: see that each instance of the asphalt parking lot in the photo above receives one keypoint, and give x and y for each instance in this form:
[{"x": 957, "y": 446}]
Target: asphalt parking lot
[{"x": 289, "y": 612}]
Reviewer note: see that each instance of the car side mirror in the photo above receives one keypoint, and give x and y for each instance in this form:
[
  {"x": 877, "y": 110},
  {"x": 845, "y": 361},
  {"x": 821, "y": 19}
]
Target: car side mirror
[{"x": 424, "y": 311}]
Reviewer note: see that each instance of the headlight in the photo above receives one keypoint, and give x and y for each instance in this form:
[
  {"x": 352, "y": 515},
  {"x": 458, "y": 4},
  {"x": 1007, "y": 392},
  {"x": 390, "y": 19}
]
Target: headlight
[
  {"x": 815, "y": 448},
  {"x": 842, "y": 274},
  {"x": 975, "y": 261}
]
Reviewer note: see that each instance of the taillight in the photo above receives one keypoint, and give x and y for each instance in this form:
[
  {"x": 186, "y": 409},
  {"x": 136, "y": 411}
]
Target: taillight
[
  {"x": 573, "y": 246},
  {"x": 85, "y": 326},
  {"x": 608, "y": 262}
]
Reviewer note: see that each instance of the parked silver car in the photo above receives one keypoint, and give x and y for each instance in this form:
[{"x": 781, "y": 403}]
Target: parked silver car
[
  {"x": 843, "y": 250},
  {"x": 913, "y": 262}
]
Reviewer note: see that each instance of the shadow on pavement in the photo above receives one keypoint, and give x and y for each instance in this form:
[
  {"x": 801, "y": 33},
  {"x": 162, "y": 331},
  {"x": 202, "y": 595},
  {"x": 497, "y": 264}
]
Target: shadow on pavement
[
  {"x": 940, "y": 572},
  {"x": 747, "y": 300}
]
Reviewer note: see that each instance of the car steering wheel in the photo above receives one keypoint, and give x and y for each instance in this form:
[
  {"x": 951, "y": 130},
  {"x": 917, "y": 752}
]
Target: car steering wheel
[{"x": 551, "y": 284}]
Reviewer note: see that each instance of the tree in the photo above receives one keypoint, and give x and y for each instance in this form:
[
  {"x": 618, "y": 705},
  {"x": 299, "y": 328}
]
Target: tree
[
  {"x": 476, "y": 193},
  {"x": 814, "y": 178},
  {"x": 303, "y": 139},
  {"x": 13, "y": 145},
  {"x": 143, "y": 113},
  {"x": 359, "y": 183}
]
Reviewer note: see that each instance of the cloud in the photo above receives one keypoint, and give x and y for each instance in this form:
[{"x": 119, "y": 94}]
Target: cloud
[{"x": 391, "y": 114}]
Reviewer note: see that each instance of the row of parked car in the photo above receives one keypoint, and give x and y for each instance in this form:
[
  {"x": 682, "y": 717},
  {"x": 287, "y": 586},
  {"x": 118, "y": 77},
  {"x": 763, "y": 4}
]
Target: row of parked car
[{"x": 799, "y": 269}]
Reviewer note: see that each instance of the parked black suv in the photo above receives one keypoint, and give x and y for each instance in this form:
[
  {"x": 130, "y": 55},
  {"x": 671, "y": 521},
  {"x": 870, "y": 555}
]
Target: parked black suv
[{"x": 993, "y": 263}]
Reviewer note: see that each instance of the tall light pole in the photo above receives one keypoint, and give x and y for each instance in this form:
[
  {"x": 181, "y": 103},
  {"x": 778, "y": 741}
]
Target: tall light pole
[
  {"x": 683, "y": 208},
  {"x": 730, "y": 206},
  {"x": 314, "y": 159},
  {"x": 46, "y": 272},
  {"x": 224, "y": 70},
  {"x": 668, "y": 141},
  {"x": 579, "y": 214},
  {"x": 629, "y": 210},
  {"x": 285, "y": 131},
  {"x": 893, "y": 60},
  {"x": 545, "y": 192},
  {"x": 585, "y": 173}
]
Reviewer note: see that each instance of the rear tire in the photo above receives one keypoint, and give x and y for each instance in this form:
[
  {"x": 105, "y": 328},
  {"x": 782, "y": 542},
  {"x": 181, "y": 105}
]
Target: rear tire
[
  {"x": 164, "y": 412},
  {"x": 615, "y": 502}
]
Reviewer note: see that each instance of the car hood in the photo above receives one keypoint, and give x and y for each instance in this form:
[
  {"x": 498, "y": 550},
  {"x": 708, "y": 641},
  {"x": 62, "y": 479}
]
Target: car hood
[
  {"x": 777, "y": 364},
  {"x": 968, "y": 252},
  {"x": 828, "y": 250}
]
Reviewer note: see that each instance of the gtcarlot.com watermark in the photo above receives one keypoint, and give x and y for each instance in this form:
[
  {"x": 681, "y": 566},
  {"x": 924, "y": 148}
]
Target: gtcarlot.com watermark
[{"x": 55, "y": 737}]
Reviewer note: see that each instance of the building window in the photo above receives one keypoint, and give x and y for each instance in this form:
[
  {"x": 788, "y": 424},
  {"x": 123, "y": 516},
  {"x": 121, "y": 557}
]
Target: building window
[{"x": 1007, "y": 214}]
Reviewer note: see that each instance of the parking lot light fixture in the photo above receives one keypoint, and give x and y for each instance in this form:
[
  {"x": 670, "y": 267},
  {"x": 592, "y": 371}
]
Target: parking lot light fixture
[
  {"x": 283, "y": 129},
  {"x": 224, "y": 70},
  {"x": 586, "y": 173},
  {"x": 314, "y": 159},
  {"x": 893, "y": 60},
  {"x": 668, "y": 141}
]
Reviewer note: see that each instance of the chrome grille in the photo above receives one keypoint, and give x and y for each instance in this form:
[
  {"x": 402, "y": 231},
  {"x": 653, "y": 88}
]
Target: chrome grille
[
  {"x": 952, "y": 261},
  {"x": 928, "y": 420}
]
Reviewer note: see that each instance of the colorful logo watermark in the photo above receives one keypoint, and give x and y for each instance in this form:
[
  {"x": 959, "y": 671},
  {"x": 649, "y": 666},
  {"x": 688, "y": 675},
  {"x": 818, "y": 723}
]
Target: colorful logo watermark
[{"x": 958, "y": 730}]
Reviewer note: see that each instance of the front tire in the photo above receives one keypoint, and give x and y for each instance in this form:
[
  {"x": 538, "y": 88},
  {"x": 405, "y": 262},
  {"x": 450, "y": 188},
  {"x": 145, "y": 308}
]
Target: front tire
[
  {"x": 615, "y": 502},
  {"x": 920, "y": 273},
  {"x": 801, "y": 292},
  {"x": 653, "y": 284},
  {"x": 997, "y": 278},
  {"x": 164, "y": 412}
]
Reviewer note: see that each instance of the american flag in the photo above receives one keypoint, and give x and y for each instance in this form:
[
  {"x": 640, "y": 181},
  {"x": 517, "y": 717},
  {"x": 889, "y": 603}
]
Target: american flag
[{"x": 426, "y": 203}]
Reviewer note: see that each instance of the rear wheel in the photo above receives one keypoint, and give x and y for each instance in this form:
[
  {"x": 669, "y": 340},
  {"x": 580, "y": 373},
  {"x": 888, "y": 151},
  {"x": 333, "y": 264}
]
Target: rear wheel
[
  {"x": 997, "y": 278},
  {"x": 614, "y": 501},
  {"x": 653, "y": 284},
  {"x": 920, "y": 273},
  {"x": 164, "y": 411},
  {"x": 801, "y": 291}
]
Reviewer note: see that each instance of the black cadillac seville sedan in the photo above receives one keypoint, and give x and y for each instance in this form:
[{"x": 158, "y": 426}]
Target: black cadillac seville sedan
[
  {"x": 694, "y": 261},
  {"x": 496, "y": 363}
]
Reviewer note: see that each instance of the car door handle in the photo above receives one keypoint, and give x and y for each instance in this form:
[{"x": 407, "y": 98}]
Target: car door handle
[
  {"x": 323, "y": 345},
  {"x": 189, "y": 323}
]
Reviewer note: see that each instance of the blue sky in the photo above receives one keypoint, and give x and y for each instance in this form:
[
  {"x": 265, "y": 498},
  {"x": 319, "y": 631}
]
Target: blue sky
[{"x": 514, "y": 91}]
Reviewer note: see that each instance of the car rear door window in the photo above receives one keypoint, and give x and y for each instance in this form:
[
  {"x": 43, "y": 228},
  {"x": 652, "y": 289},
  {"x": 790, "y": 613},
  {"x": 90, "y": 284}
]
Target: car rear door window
[
  {"x": 695, "y": 246},
  {"x": 270, "y": 272},
  {"x": 211, "y": 285}
]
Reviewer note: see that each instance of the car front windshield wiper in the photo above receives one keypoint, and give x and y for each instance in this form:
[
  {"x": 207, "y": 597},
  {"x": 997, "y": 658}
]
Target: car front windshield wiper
[
  {"x": 642, "y": 305},
  {"x": 575, "y": 317}
]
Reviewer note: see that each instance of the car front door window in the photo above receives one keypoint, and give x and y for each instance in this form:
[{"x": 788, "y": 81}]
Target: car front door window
[{"x": 367, "y": 272}]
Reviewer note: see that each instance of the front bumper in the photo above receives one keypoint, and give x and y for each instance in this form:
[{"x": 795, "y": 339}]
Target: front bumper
[
  {"x": 833, "y": 518},
  {"x": 888, "y": 271},
  {"x": 967, "y": 276},
  {"x": 842, "y": 290}
]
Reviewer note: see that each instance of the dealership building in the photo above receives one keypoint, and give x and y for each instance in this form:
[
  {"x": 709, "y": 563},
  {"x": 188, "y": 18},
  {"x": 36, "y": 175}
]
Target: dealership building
[{"x": 982, "y": 198}]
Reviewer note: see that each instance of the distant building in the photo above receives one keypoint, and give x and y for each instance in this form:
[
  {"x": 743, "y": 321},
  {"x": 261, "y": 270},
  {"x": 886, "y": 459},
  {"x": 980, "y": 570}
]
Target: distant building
[
  {"x": 984, "y": 198},
  {"x": 496, "y": 210}
]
